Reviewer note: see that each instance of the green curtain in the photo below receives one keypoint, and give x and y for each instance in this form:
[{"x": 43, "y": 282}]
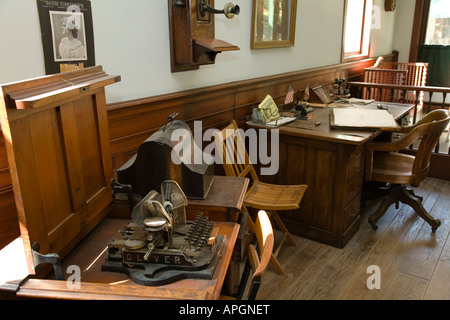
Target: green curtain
[{"x": 438, "y": 58}]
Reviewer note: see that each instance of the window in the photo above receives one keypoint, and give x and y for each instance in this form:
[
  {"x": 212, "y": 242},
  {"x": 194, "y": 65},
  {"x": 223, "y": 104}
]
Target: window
[
  {"x": 438, "y": 25},
  {"x": 430, "y": 26},
  {"x": 356, "y": 31}
]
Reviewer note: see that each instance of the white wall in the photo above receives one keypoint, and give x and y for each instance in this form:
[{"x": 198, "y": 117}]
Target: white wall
[
  {"x": 132, "y": 40},
  {"x": 382, "y": 35},
  {"x": 403, "y": 28}
]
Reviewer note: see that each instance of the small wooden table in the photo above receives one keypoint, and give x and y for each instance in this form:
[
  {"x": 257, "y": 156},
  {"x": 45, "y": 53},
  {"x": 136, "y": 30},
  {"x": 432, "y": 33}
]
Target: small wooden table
[
  {"x": 223, "y": 201},
  {"x": 89, "y": 256}
]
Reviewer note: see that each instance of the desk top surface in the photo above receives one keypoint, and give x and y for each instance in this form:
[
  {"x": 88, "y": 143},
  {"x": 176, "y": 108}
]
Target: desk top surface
[
  {"x": 228, "y": 192},
  {"x": 91, "y": 253},
  {"x": 318, "y": 124}
]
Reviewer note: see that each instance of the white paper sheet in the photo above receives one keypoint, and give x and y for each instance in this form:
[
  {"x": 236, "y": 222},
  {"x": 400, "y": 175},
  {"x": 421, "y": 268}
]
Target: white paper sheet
[{"x": 363, "y": 118}]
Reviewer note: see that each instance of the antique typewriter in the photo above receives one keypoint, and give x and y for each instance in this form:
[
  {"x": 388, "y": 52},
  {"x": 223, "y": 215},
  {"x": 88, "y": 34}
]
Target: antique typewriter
[{"x": 159, "y": 246}]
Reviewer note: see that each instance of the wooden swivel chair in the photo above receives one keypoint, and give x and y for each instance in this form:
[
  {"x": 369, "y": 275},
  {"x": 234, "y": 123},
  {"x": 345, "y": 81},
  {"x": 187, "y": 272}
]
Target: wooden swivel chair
[
  {"x": 258, "y": 258},
  {"x": 260, "y": 196},
  {"x": 385, "y": 164}
]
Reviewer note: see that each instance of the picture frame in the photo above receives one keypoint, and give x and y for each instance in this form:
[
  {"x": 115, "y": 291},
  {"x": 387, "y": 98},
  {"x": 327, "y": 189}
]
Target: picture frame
[
  {"x": 67, "y": 34},
  {"x": 270, "y": 27}
]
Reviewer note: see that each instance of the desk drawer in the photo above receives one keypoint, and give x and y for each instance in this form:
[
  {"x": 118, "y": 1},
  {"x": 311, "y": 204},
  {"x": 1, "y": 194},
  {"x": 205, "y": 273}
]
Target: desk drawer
[
  {"x": 351, "y": 212},
  {"x": 355, "y": 164},
  {"x": 353, "y": 188}
]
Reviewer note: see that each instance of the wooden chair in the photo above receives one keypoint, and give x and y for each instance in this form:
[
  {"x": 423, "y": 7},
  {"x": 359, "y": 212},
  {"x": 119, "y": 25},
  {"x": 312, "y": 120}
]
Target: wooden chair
[
  {"x": 260, "y": 196},
  {"x": 385, "y": 164},
  {"x": 258, "y": 258}
]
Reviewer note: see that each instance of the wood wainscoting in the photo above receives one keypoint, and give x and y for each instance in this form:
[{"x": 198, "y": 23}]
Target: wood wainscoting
[{"x": 131, "y": 122}]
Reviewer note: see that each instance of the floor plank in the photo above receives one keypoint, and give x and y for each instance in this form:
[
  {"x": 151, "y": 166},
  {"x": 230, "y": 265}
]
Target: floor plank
[
  {"x": 439, "y": 287},
  {"x": 414, "y": 262}
]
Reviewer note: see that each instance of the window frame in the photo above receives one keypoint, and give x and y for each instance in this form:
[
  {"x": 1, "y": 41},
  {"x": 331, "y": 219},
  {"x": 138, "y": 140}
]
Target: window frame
[
  {"x": 363, "y": 52},
  {"x": 420, "y": 23}
]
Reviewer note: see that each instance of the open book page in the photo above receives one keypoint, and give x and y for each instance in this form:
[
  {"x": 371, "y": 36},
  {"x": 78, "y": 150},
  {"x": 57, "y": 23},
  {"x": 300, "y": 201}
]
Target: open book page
[
  {"x": 362, "y": 118},
  {"x": 269, "y": 109}
]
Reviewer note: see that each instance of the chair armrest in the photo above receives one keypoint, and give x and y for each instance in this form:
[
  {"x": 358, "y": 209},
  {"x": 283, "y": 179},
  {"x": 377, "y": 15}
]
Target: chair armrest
[
  {"x": 384, "y": 146},
  {"x": 412, "y": 133},
  {"x": 370, "y": 148}
]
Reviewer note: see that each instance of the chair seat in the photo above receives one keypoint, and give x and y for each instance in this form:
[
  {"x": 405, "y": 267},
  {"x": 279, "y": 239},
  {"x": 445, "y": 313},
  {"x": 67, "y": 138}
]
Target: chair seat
[
  {"x": 274, "y": 197},
  {"x": 392, "y": 167}
]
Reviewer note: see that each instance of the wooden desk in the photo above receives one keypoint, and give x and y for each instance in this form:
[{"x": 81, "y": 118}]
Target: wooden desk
[
  {"x": 223, "y": 201},
  {"x": 331, "y": 163},
  {"x": 90, "y": 254}
]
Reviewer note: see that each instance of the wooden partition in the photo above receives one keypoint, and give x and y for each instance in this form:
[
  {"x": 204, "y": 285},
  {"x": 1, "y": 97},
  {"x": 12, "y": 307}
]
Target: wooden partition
[
  {"x": 56, "y": 137},
  {"x": 131, "y": 122}
]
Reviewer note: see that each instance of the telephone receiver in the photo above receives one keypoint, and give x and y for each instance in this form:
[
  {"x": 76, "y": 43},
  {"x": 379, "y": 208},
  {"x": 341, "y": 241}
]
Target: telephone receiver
[{"x": 230, "y": 10}]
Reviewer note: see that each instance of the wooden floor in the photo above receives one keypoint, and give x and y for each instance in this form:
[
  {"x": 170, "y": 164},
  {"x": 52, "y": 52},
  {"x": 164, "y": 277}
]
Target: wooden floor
[{"x": 414, "y": 263}]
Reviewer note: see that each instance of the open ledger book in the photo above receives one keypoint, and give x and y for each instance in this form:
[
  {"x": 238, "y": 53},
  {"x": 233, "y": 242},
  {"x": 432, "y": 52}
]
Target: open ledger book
[{"x": 355, "y": 118}]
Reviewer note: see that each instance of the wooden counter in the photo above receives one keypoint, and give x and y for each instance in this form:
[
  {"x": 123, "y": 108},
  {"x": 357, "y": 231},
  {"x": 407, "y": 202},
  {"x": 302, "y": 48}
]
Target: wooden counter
[{"x": 91, "y": 253}]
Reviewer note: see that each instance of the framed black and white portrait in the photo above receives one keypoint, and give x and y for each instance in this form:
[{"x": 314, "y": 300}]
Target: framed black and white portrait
[{"x": 67, "y": 34}]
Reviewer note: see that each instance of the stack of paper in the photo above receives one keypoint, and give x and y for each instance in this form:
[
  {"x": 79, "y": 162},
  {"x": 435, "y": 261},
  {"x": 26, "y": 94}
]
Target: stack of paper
[{"x": 362, "y": 118}]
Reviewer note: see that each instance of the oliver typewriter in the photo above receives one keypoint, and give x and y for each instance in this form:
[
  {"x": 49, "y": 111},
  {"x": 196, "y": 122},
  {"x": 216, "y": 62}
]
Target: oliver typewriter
[{"x": 159, "y": 246}]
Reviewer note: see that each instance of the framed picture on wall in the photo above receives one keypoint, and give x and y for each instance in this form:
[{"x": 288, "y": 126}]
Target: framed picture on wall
[
  {"x": 67, "y": 34},
  {"x": 273, "y": 23}
]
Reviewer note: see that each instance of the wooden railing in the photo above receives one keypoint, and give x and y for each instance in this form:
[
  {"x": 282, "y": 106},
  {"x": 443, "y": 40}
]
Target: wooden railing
[
  {"x": 358, "y": 87},
  {"x": 400, "y": 88}
]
